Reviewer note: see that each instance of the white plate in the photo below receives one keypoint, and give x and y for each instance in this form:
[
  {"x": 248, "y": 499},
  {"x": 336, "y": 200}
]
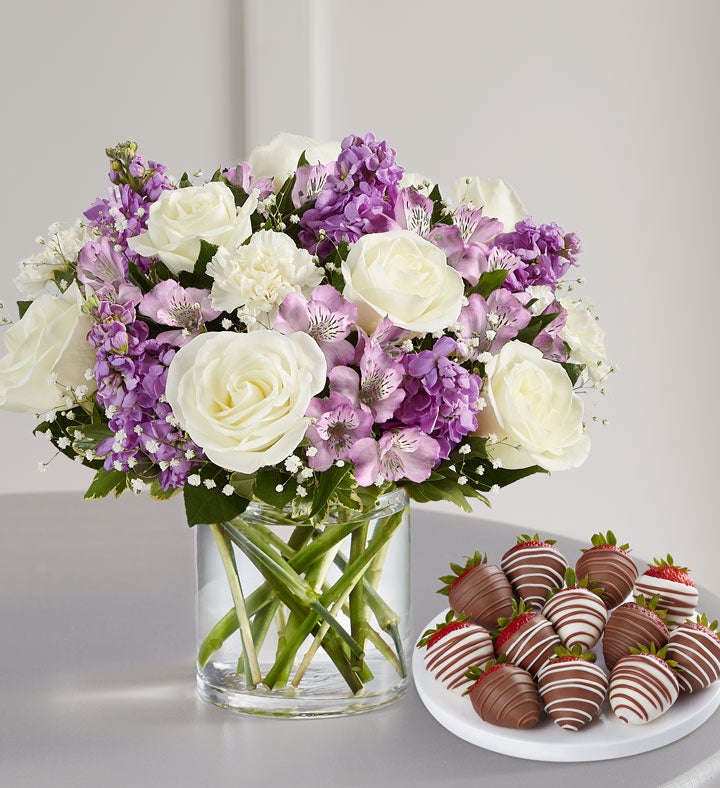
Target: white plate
[{"x": 604, "y": 738}]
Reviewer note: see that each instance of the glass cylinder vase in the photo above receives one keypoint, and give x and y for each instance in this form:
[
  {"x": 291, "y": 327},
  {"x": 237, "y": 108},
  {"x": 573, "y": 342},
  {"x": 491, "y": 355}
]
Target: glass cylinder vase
[{"x": 305, "y": 619}]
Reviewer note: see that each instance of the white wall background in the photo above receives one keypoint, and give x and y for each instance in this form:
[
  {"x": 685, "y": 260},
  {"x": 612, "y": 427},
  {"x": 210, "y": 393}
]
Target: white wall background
[{"x": 604, "y": 117}]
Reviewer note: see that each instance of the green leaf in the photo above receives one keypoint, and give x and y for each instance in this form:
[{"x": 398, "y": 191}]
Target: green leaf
[
  {"x": 574, "y": 371},
  {"x": 23, "y": 308},
  {"x": 158, "y": 494},
  {"x": 266, "y": 483},
  {"x": 326, "y": 486},
  {"x": 184, "y": 181},
  {"x": 244, "y": 484},
  {"x": 198, "y": 277},
  {"x": 535, "y": 326},
  {"x": 203, "y": 506},
  {"x": 106, "y": 482},
  {"x": 490, "y": 281}
]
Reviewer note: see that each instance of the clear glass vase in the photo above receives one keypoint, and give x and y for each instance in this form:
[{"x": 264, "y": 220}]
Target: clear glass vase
[{"x": 305, "y": 620}]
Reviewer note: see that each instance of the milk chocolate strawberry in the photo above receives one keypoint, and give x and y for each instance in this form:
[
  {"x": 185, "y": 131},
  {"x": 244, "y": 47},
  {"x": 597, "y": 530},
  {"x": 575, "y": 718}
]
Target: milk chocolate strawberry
[
  {"x": 572, "y": 687},
  {"x": 505, "y": 695},
  {"x": 633, "y": 623},
  {"x": 527, "y": 639},
  {"x": 695, "y": 646},
  {"x": 534, "y": 567},
  {"x": 673, "y": 585},
  {"x": 643, "y": 686},
  {"x": 454, "y": 646},
  {"x": 610, "y": 566},
  {"x": 479, "y": 590},
  {"x": 577, "y": 612}
]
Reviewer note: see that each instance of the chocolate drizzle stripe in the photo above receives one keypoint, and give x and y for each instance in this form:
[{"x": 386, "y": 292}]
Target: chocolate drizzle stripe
[{"x": 642, "y": 687}]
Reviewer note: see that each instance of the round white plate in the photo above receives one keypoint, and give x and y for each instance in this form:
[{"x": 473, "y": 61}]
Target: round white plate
[{"x": 604, "y": 738}]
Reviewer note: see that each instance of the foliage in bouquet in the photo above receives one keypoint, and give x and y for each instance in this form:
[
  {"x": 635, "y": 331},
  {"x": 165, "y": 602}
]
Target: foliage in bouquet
[{"x": 309, "y": 329}]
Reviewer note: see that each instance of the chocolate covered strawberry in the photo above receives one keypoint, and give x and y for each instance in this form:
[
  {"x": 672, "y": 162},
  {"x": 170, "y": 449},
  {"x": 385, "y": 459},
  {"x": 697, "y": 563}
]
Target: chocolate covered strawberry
[
  {"x": 572, "y": 687},
  {"x": 527, "y": 639},
  {"x": 478, "y": 590},
  {"x": 610, "y": 566},
  {"x": 505, "y": 695},
  {"x": 643, "y": 686},
  {"x": 633, "y": 623},
  {"x": 534, "y": 567},
  {"x": 577, "y": 612},
  {"x": 695, "y": 646},
  {"x": 454, "y": 646},
  {"x": 673, "y": 585}
]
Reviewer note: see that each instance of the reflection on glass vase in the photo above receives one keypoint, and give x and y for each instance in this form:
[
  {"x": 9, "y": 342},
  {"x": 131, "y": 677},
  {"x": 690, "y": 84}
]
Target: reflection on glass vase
[{"x": 305, "y": 620}]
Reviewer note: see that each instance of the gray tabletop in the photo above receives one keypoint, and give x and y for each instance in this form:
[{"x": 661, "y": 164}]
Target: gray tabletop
[{"x": 97, "y": 671}]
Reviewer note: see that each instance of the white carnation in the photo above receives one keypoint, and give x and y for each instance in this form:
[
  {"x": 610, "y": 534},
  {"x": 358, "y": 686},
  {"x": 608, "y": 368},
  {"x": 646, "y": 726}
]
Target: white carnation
[{"x": 256, "y": 277}]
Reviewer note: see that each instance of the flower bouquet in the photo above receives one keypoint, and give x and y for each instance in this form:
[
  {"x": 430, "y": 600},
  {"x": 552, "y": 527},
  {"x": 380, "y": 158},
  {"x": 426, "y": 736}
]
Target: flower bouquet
[{"x": 298, "y": 345}]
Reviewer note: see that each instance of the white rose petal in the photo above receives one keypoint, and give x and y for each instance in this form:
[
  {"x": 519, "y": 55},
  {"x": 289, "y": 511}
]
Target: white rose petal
[
  {"x": 533, "y": 411},
  {"x": 242, "y": 397},
  {"x": 58, "y": 252},
  {"x": 49, "y": 343},
  {"x": 181, "y": 218},
  {"x": 403, "y": 276},
  {"x": 279, "y": 157},
  {"x": 586, "y": 339},
  {"x": 257, "y": 276},
  {"x": 494, "y": 196}
]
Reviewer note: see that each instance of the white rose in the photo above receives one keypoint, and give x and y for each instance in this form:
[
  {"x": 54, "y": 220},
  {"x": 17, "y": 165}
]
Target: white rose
[
  {"x": 279, "y": 157},
  {"x": 403, "y": 276},
  {"x": 533, "y": 411},
  {"x": 243, "y": 397},
  {"x": 495, "y": 197},
  {"x": 257, "y": 276},
  {"x": 585, "y": 339},
  {"x": 181, "y": 218},
  {"x": 58, "y": 252},
  {"x": 49, "y": 343}
]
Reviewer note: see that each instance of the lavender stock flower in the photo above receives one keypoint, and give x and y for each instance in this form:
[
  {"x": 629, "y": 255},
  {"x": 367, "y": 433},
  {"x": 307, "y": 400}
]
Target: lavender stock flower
[
  {"x": 358, "y": 197},
  {"x": 547, "y": 251},
  {"x": 441, "y": 396}
]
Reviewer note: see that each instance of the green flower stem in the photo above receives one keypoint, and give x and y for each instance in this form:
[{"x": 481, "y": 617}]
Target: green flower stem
[
  {"x": 350, "y": 577},
  {"x": 243, "y": 621},
  {"x": 292, "y": 590},
  {"x": 215, "y": 638},
  {"x": 357, "y": 606},
  {"x": 315, "y": 645},
  {"x": 305, "y": 556}
]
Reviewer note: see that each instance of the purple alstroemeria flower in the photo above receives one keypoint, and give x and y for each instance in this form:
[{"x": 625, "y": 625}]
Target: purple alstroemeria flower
[
  {"x": 242, "y": 176},
  {"x": 401, "y": 453},
  {"x": 327, "y": 317},
  {"x": 337, "y": 426},
  {"x": 413, "y": 211},
  {"x": 377, "y": 388},
  {"x": 310, "y": 181},
  {"x": 441, "y": 396},
  {"x": 187, "y": 309},
  {"x": 104, "y": 273}
]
